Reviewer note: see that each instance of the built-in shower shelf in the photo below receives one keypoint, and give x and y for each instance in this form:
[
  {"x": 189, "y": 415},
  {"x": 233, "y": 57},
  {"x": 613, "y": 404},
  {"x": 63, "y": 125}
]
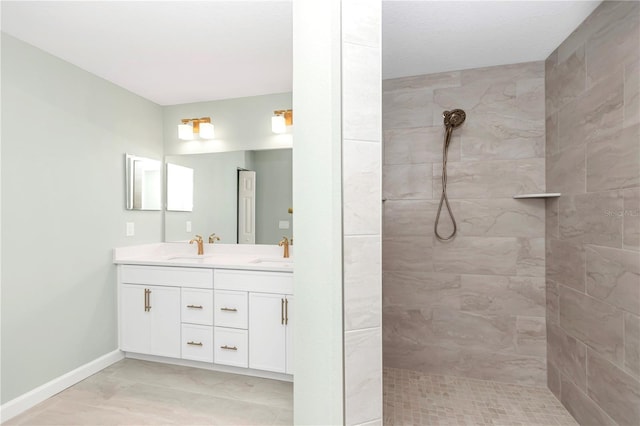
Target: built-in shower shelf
[{"x": 545, "y": 195}]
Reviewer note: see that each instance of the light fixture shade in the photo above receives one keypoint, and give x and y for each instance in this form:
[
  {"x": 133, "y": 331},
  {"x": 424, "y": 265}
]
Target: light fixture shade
[
  {"x": 207, "y": 131},
  {"x": 185, "y": 132},
  {"x": 278, "y": 124}
]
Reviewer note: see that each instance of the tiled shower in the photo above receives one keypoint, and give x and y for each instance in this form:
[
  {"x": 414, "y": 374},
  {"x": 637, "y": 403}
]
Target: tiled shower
[{"x": 542, "y": 293}]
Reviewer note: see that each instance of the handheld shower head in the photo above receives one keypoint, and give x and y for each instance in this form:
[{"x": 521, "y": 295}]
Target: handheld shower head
[{"x": 454, "y": 118}]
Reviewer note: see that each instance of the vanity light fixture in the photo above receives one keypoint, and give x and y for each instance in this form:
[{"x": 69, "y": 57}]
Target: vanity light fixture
[
  {"x": 192, "y": 126},
  {"x": 281, "y": 119}
]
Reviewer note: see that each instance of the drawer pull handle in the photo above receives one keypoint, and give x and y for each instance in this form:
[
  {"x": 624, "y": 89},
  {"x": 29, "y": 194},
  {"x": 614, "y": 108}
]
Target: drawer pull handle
[
  {"x": 231, "y": 348},
  {"x": 194, "y": 306},
  {"x": 194, "y": 343},
  {"x": 229, "y": 309}
]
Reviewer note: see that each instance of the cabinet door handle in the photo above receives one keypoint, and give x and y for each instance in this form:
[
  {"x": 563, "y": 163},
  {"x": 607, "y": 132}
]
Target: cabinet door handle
[
  {"x": 229, "y": 309},
  {"x": 286, "y": 311},
  {"x": 148, "y": 300},
  {"x": 282, "y": 311},
  {"x": 231, "y": 348},
  {"x": 194, "y": 343},
  {"x": 194, "y": 306}
]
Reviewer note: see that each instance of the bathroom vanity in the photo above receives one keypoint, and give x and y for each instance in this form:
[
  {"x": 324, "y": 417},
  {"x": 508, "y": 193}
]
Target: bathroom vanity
[{"x": 230, "y": 309}]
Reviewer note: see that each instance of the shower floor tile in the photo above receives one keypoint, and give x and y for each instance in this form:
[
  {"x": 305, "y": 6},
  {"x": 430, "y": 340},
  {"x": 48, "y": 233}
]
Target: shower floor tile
[{"x": 415, "y": 398}]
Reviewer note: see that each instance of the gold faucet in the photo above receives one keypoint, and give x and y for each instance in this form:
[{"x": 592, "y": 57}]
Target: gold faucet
[
  {"x": 284, "y": 242},
  {"x": 213, "y": 238},
  {"x": 198, "y": 239}
]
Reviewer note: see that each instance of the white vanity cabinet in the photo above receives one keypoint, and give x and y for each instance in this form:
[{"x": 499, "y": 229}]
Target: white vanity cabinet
[
  {"x": 270, "y": 339},
  {"x": 270, "y": 315},
  {"x": 152, "y": 318},
  {"x": 237, "y": 320}
]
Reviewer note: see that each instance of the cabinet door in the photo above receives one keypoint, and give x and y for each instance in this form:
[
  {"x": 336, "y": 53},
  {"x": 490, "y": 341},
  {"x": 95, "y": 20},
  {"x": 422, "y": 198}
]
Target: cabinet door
[
  {"x": 289, "y": 316},
  {"x": 135, "y": 321},
  {"x": 267, "y": 337},
  {"x": 164, "y": 306}
]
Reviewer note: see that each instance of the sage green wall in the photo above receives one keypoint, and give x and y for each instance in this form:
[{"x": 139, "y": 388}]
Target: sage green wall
[
  {"x": 64, "y": 135},
  {"x": 240, "y": 124},
  {"x": 273, "y": 194}
]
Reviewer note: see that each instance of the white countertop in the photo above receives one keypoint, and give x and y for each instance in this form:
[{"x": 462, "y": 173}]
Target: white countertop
[{"x": 260, "y": 257}]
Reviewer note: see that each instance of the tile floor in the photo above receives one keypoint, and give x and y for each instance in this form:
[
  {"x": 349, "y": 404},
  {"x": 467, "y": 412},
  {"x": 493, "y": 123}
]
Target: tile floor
[
  {"x": 413, "y": 398},
  {"x": 133, "y": 392}
]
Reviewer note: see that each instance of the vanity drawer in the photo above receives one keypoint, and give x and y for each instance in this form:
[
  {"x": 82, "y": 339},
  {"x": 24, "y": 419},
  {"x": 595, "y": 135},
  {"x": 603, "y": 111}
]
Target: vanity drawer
[
  {"x": 165, "y": 275},
  {"x": 197, "y": 306},
  {"x": 197, "y": 342},
  {"x": 230, "y": 308},
  {"x": 231, "y": 347},
  {"x": 265, "y": 282}
]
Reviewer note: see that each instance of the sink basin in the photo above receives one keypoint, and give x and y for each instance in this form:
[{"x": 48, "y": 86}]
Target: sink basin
[
  {"x": 274, "y": 261},
  {"x": 188, "y": 257}
]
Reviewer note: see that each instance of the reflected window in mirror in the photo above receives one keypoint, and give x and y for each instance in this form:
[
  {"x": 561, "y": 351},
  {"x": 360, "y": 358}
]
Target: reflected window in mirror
[
  {"x": 179, "y": 188},
  {"x": 143, "y": 183}
]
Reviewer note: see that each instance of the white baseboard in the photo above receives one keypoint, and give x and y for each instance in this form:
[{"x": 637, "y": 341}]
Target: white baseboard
[{"x": 25, "y": 401}]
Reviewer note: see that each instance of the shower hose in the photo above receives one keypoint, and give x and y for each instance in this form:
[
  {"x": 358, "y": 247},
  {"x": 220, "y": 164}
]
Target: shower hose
[{"x": 443, "y": 196}]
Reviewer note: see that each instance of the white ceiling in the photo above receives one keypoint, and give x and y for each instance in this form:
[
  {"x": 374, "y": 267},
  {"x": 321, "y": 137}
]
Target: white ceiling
[{"x": 177, "y": 52}]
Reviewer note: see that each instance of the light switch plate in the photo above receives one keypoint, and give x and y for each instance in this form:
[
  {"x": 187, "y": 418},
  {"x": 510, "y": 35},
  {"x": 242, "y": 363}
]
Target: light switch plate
[
  {"x": 131, "y": 230},
  {"x": 188, "y": 226},
  {"x": 283, "y": 224}
]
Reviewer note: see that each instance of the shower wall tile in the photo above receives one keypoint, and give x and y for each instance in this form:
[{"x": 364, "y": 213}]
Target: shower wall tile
[
  {"x": 551, "y": 218},
  {"x": 566, "y": 171},
  {"x": 631, "y": 219},
  {"x": 418, "y": 145},
  {"x": 409, "y": 218},
  {"x": 429, "y": 81},
  {"x": 597, "y": 324},
  {"x": 407, "y": 291},
  {"x": 531, "y": 336},
  {"x": 617, "y": 393},
  {"x": 491, "y": 179},
  {"x": 592, "y": 218},
  {"x": 596, "y": 114},
  {"x": 632, "y": 94},
  {"x": 614, "y": 162},
  {"x": 553, "y": 302},
  {"x": 361, "y": 112},
  {"x": 581, "y": 407},
  {"x": 531, "y": 257},
  {"x": 500, "y": 217},
  {"x": 566, "y": 80},
  {"x": 553, "y": 379},
  {"x": 566, "y": 263},
  {"x": 363, "y": 378},
  {"x": 567, "y": 354},
  {"x": 473, "y": 306},
  {"x": 479, "y": 364},
  {"x": 475, "y": 255},
  {"x": 632, "y": 344},
  {"x": 407, "y": 108},
  {"x": 505, "y": 296},
  {"x": 407, "y": 253},
  {"x": 362, "y": 282},
  {"x": 361, "y": 22},
  {"x": 551, "y": 132},
  {"x": 613, "y": 276},
  {"x": 407, "y": 181},
  {"x": 361, "y": 187},
  {"x": 593, "y": 159},
  {"x": 615, "y": 43}
]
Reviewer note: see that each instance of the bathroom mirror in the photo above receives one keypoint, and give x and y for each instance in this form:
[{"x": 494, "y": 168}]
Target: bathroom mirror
[
  {"x": 179, "y": 188},
  {"x": 215, "y": 195},
  {"x": 143, "y": 177}
]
